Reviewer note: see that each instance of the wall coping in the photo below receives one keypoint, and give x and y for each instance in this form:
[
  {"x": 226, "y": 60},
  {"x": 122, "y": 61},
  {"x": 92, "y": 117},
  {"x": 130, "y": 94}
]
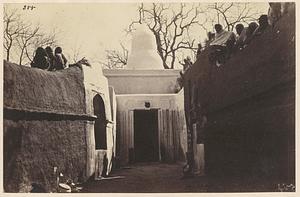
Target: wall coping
[
  {"x": 147, "y": 95},
  {"x": 144, "y": 73}
]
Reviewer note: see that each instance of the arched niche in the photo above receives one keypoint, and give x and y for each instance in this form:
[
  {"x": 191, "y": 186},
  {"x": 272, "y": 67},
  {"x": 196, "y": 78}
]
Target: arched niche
[{"x": 100, "y": 123}]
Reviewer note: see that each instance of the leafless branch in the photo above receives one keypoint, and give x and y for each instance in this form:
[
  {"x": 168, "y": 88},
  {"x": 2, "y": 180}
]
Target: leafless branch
[
  {"x": 115, "y": 58},
  {"x": 24, "y": 37},
  {"x": 169, "y": 25},
  {"x": 233, "y": 13}
]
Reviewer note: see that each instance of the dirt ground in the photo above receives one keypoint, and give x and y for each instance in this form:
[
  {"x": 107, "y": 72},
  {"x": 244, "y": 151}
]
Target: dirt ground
[{"x": 168, "y": 178}]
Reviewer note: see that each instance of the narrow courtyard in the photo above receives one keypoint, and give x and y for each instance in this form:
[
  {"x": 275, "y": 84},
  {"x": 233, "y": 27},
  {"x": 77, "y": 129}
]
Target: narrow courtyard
[
  {"x": 168, "y": 178},
  {"x": 160, "y": 98}
]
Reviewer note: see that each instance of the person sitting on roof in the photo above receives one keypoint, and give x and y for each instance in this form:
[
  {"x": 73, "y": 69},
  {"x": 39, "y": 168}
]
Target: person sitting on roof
[
  {"x": 61, "y": 61},
  {"x": 222, "y": 37},
  {"x": 40, "y": 59},
  {"x": 222, "y": 45},
  {"x": 51, "y": 58},
  {"x": 199, "y": 50},
  {"x": 210, "y": 38},
  {"x": 187, "y": 63},
  {"x": 263, "y": 24},
  {"x": 246, "y": 36},
  {"x": 250, "y": 33},
  {"x": 239, "y": 29},
  {"x": 241, "y": 36}
]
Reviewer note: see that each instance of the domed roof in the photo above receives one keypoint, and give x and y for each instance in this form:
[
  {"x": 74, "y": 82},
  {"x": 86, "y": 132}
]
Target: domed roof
[{"x": 143, "y": 54}]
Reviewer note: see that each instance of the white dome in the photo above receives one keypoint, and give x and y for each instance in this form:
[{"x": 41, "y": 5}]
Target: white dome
[{"x": 143, "y": 54}]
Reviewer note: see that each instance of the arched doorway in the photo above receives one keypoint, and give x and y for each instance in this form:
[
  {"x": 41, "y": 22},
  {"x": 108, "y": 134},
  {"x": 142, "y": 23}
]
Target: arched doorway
[{"x": 100, "y": 123}]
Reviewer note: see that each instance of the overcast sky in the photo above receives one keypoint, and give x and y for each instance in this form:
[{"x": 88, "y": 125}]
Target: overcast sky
[{"x": 92, "y": 27}]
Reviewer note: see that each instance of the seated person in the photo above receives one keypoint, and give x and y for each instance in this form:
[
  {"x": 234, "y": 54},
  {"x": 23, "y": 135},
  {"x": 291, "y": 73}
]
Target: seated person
[
  {"x": 40, "y": 59},
  {"x": 187, "y": 64},
  {"x": 239, "y": 29},
  {"x": 263, "y": 24},
  {"x": 199, "y": 50},
  {"x": 51, "y": 58},
  {"x": 250, "y": 33},
  {"x": 60, "y": 59},
  {"x": 241, "y": 36},
  {"x": 222, "y": 45},
  {"x": 210, "y": 38}
]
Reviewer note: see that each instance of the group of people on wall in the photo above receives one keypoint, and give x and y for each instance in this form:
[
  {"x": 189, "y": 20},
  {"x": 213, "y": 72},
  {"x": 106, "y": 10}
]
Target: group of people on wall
[
  {"x": 223, "y": 44},
  {"x": 47, "y": 60}
]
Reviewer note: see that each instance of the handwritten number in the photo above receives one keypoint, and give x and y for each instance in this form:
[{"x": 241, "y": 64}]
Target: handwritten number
[{"x": 27, "y": 7}]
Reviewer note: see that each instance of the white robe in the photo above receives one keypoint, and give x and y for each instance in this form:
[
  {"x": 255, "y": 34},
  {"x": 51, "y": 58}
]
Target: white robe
[{"x": 222, "y": 37}]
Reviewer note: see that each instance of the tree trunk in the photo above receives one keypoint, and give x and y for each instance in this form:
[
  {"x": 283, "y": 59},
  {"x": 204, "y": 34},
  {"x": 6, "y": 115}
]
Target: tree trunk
[
  {"x": 7, "y": 55},
  {"x": 8, "y": 50},
  {"x": 159, "y": 49},
  {"x": 21, "y": 56},
  {"x": 173, "y": 59}
]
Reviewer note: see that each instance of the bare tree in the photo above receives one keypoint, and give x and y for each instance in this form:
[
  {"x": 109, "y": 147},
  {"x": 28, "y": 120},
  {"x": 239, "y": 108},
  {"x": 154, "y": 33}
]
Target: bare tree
[
  {"x": 75, "y": 53},
  {"x": 24, "y": 37},
  {"x": 29, "y": 39},
  {"x": 170, "y": 26},
  {"x": 40, "y": 40},
  {"x": 229, "y": 14},
  {"x": 116, "y": 58},
  {"x": 24, "y": 40},
  {"x": 12, "y": 29}
]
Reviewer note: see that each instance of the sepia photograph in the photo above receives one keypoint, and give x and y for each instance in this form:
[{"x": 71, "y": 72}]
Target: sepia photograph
[{"x": 149, "y": 97}]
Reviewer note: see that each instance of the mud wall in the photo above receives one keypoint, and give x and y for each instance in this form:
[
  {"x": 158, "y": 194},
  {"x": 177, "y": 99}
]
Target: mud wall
[
  {"x": 32, "y": 148},
  {"x": 33, "y": 89},
  {"x": 254, "y": 137},
  {"x": 249, "y": 103},
  {"x": 44, "y": 127}
]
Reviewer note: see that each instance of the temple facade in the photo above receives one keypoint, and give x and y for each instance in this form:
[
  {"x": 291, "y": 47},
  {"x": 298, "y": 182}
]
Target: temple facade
[{"x": 150, "y": 114}]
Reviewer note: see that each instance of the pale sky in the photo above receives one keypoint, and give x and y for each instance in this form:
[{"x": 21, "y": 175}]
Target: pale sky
[{"x": 92, "y": 27}]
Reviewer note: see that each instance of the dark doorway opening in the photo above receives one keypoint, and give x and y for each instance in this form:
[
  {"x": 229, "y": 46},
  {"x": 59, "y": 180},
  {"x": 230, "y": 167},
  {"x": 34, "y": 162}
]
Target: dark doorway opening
[
  {"x": 146, "y": 135},
  {"x": 100, "y": 123}
]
